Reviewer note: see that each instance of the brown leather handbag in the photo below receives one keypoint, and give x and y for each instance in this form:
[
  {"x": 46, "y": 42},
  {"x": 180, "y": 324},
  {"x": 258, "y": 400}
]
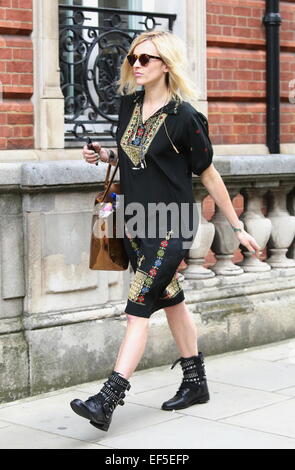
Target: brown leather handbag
[{"x": 107, "y": 252}]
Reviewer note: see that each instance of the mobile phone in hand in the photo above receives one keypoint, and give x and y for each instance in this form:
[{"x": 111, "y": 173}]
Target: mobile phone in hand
[{"x": 90, "y": 146}]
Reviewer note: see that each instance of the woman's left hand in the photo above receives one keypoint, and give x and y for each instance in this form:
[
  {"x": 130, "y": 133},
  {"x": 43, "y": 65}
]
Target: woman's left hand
[{"x": 249, "y": 242}]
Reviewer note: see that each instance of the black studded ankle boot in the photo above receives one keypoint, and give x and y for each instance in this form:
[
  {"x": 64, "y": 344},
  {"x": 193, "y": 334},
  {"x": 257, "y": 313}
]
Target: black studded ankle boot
[
  {"x": 193, "y": 388},
  {"x": 99, "y": 408}
]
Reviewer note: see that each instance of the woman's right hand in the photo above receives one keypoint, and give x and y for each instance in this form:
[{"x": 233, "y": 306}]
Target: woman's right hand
[{"x": 92, "y": 156}]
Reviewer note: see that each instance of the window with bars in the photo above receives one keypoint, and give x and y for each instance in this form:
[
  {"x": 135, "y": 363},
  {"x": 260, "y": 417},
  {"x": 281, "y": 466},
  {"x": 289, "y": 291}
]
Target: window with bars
[{"x": 95, "y": 36}]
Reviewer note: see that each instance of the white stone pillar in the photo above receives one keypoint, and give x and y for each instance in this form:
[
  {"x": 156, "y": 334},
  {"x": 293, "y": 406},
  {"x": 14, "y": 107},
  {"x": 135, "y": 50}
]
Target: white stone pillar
[
  {"x": 256, "y": 225},
  {"x": 291, "y": 207},
  {"x": 225, "y": 243},
  {"x": 197, "y": 49},
  {"x": 283, "y": 229},
  {"x": 48, "y": 98},
  {"x": 201, "y": 245}
]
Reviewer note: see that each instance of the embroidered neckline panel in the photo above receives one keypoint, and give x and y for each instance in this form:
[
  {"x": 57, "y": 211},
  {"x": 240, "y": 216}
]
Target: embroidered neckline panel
[{"x": 133, "y": 141}]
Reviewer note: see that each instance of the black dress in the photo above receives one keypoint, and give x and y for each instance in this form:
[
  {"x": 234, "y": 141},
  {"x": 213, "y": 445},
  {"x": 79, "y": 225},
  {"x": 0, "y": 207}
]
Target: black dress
[{"x": 152, "y": 172}]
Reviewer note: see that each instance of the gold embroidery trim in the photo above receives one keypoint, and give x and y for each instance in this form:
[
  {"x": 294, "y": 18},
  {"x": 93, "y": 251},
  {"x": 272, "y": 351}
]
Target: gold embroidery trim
[
  {"x": 153, "y": 124},
  {"x": 172, "y": 289},
  {"x": 141, "y": 259},
  {"x": 137, "y": 284},
  {"x": 143, "y": 279}
]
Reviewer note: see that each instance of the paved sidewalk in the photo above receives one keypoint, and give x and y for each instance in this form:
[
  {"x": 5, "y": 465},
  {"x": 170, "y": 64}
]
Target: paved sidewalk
[{"x": 252, "y": 406}]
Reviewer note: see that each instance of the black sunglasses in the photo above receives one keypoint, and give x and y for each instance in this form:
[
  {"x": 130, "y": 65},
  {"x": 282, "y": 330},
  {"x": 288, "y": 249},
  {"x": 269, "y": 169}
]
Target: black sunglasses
[{"x": 143, "y": 58}]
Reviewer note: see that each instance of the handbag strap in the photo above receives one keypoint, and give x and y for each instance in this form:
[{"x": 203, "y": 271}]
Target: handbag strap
[{"x": 108, "y": 182}]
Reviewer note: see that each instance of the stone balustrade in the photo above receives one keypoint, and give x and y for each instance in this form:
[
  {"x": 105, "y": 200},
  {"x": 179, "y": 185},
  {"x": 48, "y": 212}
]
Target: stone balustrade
[
  {"x": 62, "y": 324},
  {"x": 272, "y": 228}
]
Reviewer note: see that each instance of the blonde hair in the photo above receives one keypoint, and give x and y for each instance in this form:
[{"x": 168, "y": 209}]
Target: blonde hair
[{"x": 172, "y": 50}]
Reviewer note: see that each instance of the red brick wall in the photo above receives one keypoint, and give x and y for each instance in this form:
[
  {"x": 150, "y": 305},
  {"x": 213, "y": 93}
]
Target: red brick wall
[
  {"x": 236, "y": 73},
  {"x": 287, "y": 70},
  {"x": 16, "y": 75},
  {"x": 236, "y": 61}
]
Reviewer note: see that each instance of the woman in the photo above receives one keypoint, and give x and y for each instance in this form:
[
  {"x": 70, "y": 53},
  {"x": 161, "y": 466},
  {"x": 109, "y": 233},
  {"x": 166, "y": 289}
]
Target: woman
[{"x": 161, "y": 141}]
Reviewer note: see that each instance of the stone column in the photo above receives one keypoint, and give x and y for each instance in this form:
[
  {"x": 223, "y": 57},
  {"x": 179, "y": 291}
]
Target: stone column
[
  {"x": 291, "y": 208},
  {"x": 225, "y": 243},
  {"x": 283, "y": 228},
  {"x": 201, "y": 245},
  {"x": 197, "y": 49},
  {"x": 48, "y": 98},
  {"x": 256, "y": 225}
]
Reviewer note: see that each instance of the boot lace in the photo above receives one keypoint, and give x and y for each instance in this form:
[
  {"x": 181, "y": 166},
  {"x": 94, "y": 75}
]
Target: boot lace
[{"x": 193, "y": 372}]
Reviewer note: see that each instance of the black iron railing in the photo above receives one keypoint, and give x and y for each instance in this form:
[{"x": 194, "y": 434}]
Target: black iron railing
[{"x": 93, "y": 43}]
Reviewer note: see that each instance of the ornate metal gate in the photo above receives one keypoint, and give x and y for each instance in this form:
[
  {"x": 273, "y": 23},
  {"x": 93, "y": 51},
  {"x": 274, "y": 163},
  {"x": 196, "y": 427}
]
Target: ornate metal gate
[{"x": 93, "y": 44}]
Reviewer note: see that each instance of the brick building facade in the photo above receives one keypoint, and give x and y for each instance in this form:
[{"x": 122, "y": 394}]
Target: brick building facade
[
  {"x": 236, "y": 71},
  {"x": 236, "y": 63},
  {"x": 16, "y": 75}
]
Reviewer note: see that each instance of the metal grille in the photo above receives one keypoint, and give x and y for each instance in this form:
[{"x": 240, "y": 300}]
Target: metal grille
[{"x": 93, "y": 43}]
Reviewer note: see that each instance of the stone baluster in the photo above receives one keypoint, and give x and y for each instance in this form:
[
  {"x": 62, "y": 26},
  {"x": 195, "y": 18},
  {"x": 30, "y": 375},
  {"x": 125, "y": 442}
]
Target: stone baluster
[
  {"x": 283, "y": 228},
  {"x": 201, "y": 245},
  {"x": 257, "y": 225},
  {"x": 225, "y": 243},
  {"x": 291, "y": 208}
]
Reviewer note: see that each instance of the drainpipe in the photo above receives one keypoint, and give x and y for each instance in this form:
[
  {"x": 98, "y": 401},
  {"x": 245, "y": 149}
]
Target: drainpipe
[{"x": 272, "y": 21}]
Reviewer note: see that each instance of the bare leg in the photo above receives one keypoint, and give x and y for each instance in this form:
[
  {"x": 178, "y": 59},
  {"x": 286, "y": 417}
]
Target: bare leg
[
  {"x": 183, "y": 329},
  {"x": 132, "y": 346}
]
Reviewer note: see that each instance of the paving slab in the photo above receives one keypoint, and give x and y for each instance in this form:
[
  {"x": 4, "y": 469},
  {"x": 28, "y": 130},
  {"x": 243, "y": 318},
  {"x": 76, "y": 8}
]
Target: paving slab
[
  {"x": 252, "y": 406},
  {"x": 225, "y": 400},
  {"x": 54, "y": 414},
  {"x": 252, "y": 372},
  {"x": 3, "y": 424},
  {"x": 189, "y": 432},
  {"x": 289, "y": 391},
  {"x": 285, "y": 350},
  {"x": 278, "y": 418},
  {"x": 23, "y": 437}
]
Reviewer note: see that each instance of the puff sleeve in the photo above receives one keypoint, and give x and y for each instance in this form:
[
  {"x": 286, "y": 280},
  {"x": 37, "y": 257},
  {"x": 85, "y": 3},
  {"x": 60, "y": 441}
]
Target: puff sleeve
[{"x": 198, "y": 145}]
